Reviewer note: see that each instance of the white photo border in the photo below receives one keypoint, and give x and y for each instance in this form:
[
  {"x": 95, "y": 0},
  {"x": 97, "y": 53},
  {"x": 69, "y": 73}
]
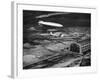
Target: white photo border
[{"x": 17, "y": 68}]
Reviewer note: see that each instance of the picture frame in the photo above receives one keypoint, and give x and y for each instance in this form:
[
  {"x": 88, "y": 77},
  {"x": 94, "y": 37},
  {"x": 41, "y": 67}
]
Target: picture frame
[{"x": 20, "y": 12}]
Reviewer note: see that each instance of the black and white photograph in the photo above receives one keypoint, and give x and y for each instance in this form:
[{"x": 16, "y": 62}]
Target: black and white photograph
[{"x": 53, "y": 39}]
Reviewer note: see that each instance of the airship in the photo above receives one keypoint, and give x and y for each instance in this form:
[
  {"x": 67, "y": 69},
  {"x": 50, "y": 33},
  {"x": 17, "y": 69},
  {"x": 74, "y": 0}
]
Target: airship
[{"x": 53, "y": 24}]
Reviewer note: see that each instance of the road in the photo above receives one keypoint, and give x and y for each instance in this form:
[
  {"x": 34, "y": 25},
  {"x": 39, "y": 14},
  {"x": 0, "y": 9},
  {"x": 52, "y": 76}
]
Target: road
[{"x": 54, "y": 61}]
